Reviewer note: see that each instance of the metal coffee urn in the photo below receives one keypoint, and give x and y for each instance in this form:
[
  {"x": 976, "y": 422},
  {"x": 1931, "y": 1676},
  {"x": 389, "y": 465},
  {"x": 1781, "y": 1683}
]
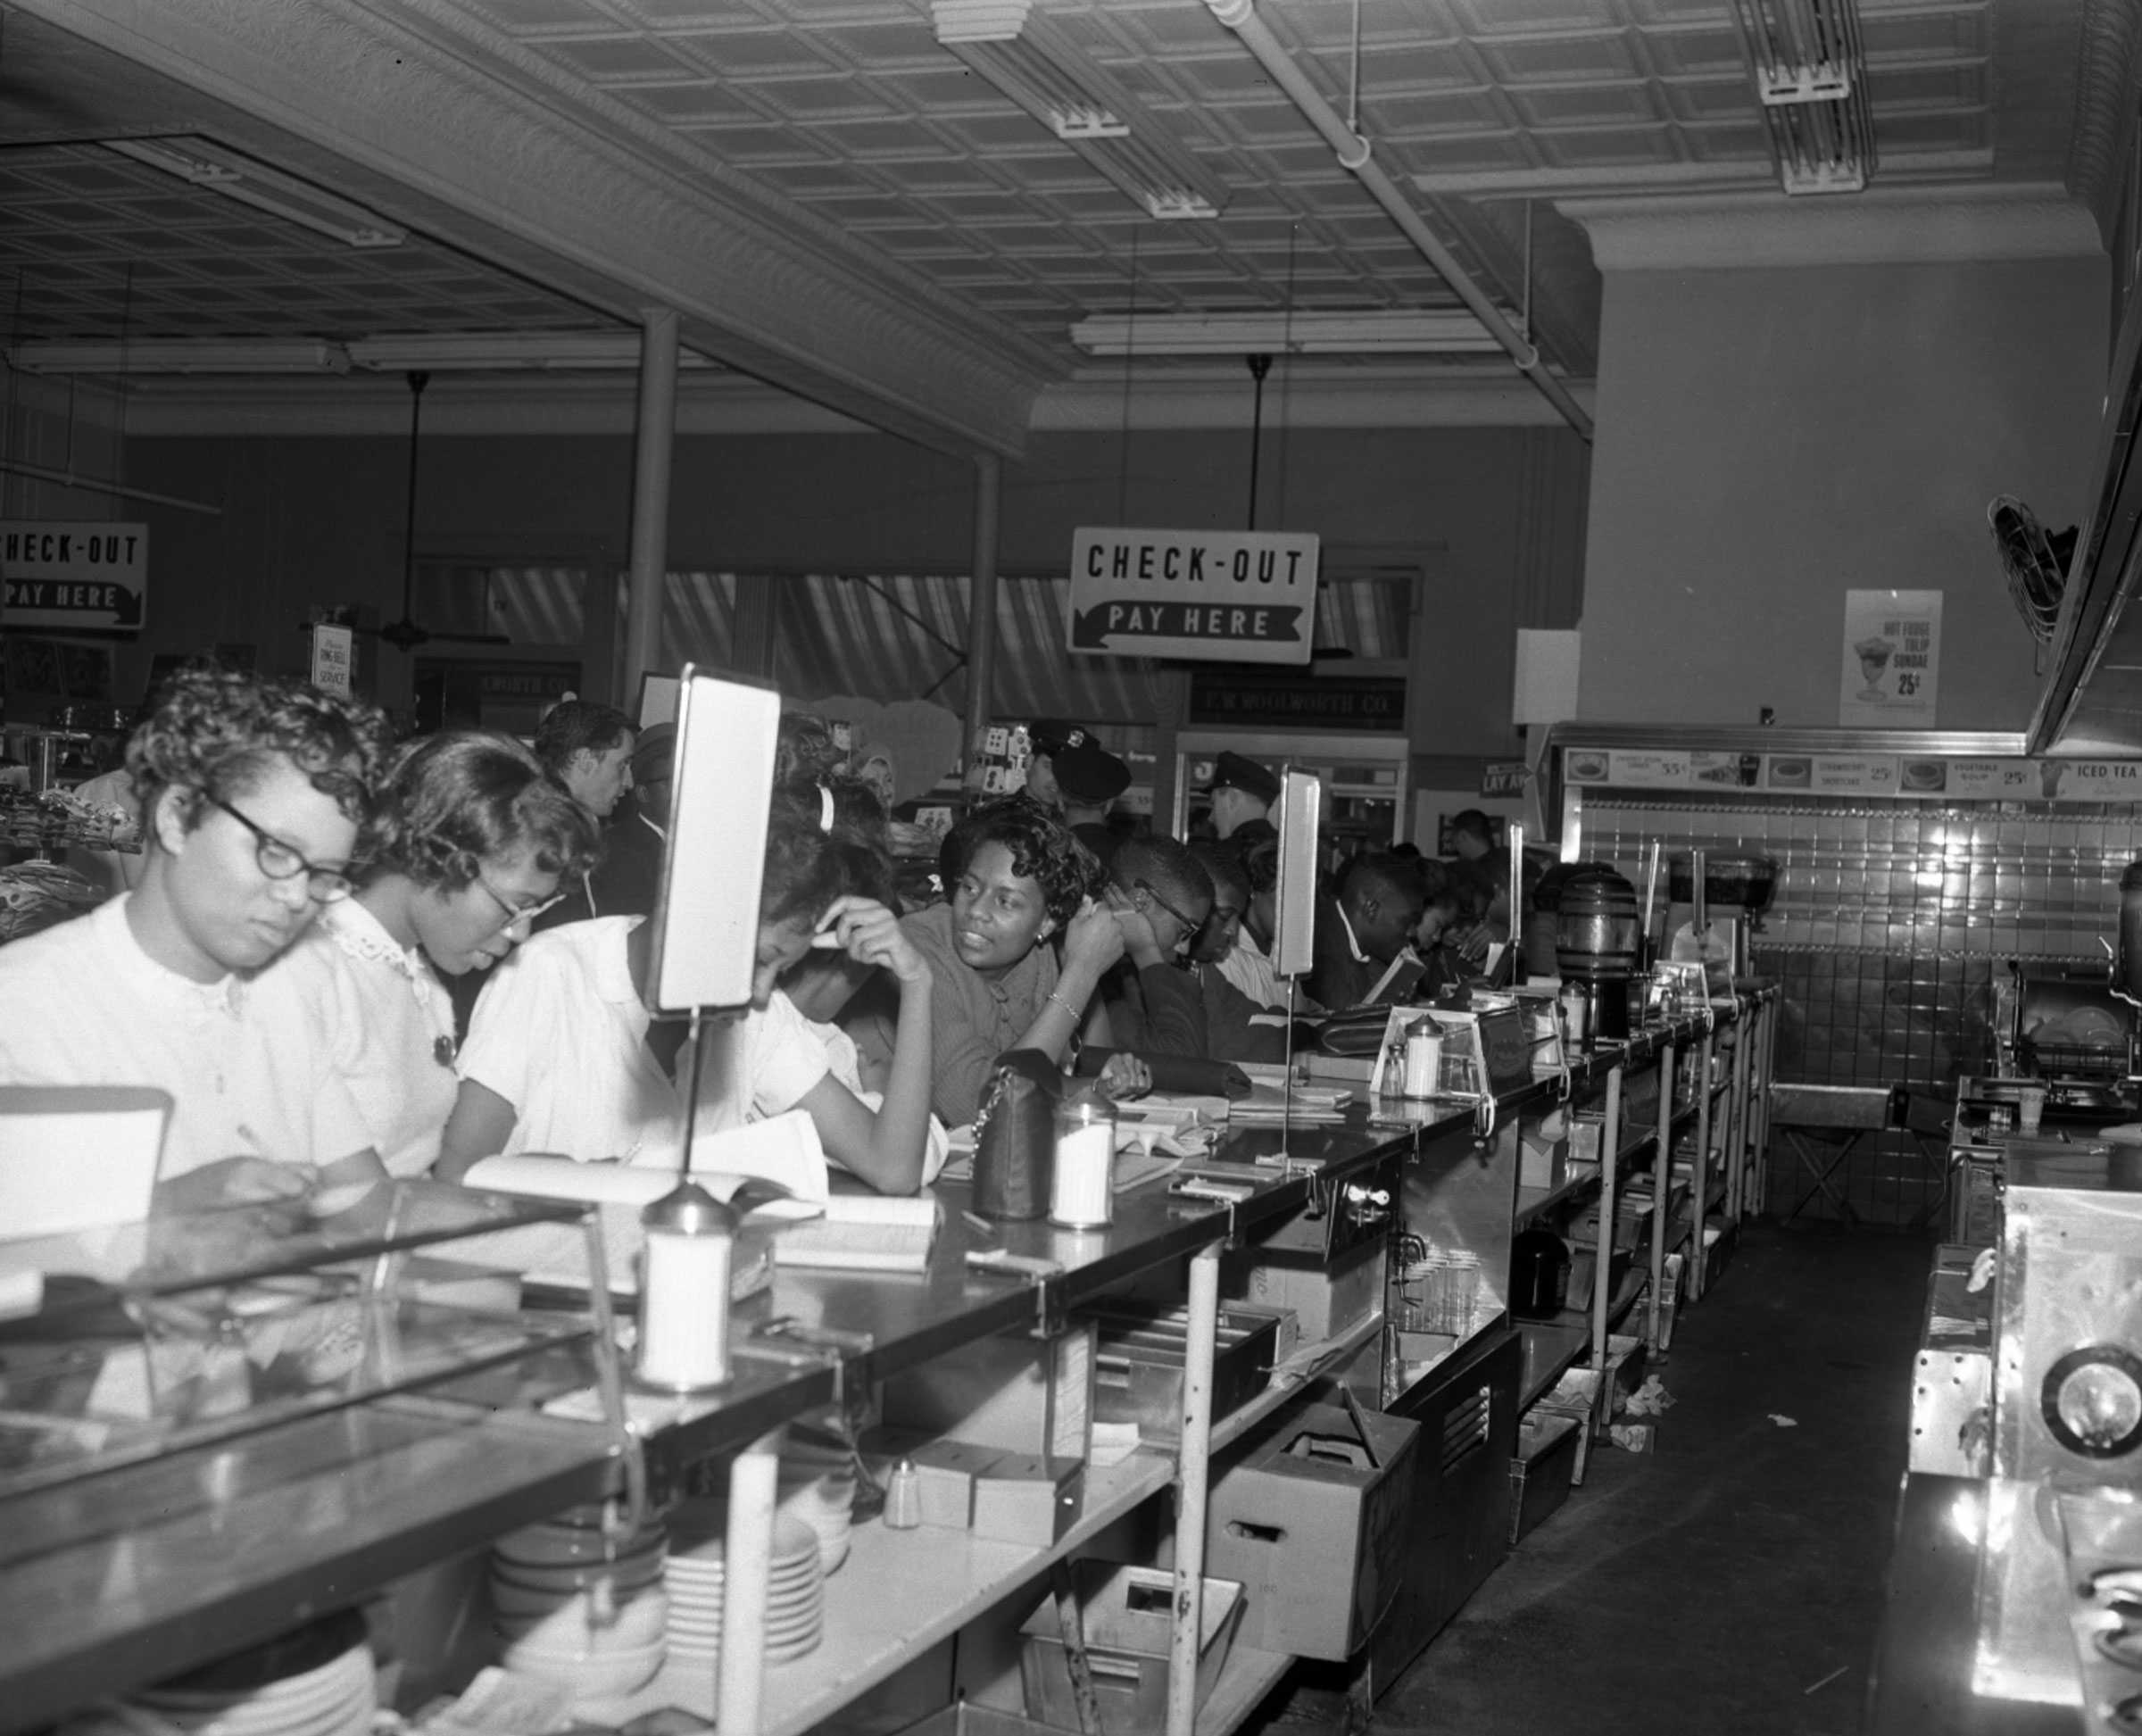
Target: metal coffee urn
[{"x": 1597, "y": 932}]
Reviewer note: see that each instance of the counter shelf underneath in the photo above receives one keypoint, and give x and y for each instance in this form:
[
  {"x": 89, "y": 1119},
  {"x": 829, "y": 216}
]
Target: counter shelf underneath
[
  {"x": 119, "y": 1580},
  {"x": 211, "y": 1550}
]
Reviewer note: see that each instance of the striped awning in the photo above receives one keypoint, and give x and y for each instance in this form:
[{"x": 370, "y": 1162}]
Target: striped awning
[{"x": 889, "y": 636}]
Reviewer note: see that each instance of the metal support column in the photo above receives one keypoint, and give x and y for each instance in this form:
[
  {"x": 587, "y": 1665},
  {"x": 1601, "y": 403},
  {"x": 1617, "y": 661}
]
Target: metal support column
[
  {"x": 1699, "y": 1175},
  {"x": 652, "y": 447},
  {"x": 1766, "y": 1059},
  {"x": 747, "y": 1550},
  {"x": 1662, "y": 1191},
  {"x": 1602, "y": 1278},
  {"x": 1193, "y": 1477},
  {"x": 1743, "y": 1044},
  {"x": 982, "y": 605}
]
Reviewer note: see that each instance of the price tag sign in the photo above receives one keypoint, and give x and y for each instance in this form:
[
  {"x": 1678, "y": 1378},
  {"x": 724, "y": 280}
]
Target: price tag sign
[
  {"x": 333, "y": 658},
  {"x": 1891, "y": 666}
]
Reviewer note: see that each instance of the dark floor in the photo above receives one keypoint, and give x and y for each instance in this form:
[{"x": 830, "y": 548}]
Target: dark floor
[{"x": 1731, "y": 1580}]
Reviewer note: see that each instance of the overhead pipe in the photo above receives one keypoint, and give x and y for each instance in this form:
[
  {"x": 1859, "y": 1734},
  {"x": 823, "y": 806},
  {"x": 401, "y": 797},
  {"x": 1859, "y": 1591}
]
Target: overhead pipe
[
  {"x": 1354, "y": 155},
  {"x": 97, "y": 486}
]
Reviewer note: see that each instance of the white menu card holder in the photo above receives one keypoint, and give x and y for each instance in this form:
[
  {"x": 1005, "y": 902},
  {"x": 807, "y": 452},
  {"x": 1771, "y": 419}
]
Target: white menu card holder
[
  {"x": 1294, "y": 913},
  {"x": 706, "y": 919}
]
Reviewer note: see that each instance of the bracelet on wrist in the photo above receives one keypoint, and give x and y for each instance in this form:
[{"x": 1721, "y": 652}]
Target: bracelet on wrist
[{"x": 1064, "y": 1004}]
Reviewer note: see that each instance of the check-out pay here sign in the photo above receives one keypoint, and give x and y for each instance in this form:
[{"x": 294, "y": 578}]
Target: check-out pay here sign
[
  {"x": 70, "y": 575},
  {"x": 1217, "y": 595}
]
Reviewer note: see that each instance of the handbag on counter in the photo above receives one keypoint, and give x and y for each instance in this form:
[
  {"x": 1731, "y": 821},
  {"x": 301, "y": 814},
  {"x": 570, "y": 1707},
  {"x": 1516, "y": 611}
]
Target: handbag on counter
[{"x": 1014, "y": 1135}]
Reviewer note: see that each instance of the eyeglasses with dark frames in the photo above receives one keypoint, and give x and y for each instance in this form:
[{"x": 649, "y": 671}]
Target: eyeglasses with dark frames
[
  {"x": 1190, "y": 925},
  {"x": 517, "y": 914},
  {"x": 279, "y": 862}
]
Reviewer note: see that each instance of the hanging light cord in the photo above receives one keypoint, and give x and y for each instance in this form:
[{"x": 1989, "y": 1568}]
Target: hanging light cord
[
  {"x": 1130, "y": 350},
  {"x": 1353, "y": 89}
]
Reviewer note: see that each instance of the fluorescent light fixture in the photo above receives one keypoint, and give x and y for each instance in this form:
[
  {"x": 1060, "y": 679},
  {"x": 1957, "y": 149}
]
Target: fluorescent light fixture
[
  {"x": 1020, "y": 49},
  {"x": 200, "y": 163},
  {"x": 479, "y": 351},
  {"x": 1392, "y": 331},
  {"x": 307, "y": 356},
  {"x": 1809, "y": 71}
]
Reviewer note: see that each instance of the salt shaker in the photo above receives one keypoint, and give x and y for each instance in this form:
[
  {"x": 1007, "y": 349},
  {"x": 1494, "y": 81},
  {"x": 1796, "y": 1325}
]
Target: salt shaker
[
  {"x": 684, "y": 1291},
  {"x": 903, "y": 1497}
]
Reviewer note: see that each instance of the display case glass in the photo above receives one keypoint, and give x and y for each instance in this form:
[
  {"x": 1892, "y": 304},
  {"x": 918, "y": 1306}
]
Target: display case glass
[{"x": 157, "y": 1337}]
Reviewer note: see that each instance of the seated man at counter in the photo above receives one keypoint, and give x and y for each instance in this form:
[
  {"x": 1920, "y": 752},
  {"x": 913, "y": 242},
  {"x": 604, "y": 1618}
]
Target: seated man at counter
[
  {"x": 1236, "y": 1027},
  {"x": 1363, "y": 929},
  {"x": 1162, "y": 895},
  {"x": 1472, "y": 834},
  {"x": 1016, "y": 880},
  {"x": 252, "y": 791},
  {"x": 586, "y": 747},
  {"x": 1248, "y": 962},
  {"x": 629, "y": 878}
]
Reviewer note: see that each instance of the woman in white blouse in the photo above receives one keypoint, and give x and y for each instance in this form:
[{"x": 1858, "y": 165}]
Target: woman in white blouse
[
  {"x": 469, "y": 842},
  {"x": 559, "y": 1057}
]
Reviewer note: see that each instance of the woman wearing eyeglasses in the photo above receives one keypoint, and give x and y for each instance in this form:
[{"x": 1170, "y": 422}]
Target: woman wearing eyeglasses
[
  {"x": 252, "y": 791},
  {"x": 469, "y": 843}
]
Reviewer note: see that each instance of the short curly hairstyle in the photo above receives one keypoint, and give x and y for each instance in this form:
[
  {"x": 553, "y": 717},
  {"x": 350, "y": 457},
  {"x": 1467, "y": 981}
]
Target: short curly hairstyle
[
  {"x": 1042, "y": 850},
  {"x": 453, "y": 800},
  {"x": 219, "y": 731},
  {"x": 804, "y": 749}
]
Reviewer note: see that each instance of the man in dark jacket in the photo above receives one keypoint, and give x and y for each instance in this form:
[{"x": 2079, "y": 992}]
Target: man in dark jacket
[
  {"x": 1363, "y": 929},
  {"x": 1162, "y": 895}
]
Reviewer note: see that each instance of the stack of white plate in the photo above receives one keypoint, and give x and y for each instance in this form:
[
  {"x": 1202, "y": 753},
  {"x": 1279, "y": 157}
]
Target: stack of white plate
[
  {"x": 795, "y": 1593},
  {"x": 818, "y": 1486},
  {"x": 569, "y": 1605},
  {"x": 695, "y": 1579},
  {"x": 795, "y": 1589},
  {"x": 334, "y": 1699}
]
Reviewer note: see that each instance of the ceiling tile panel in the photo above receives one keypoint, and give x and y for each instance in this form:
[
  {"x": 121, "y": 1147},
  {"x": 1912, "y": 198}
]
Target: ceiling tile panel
[
  {"x": 1936, "y": 32},
  {"x": 806, "y": 102},
  {"x": 1413, "y": 115},
  {"x": 1607, "y": 147},
  {"x": 1486, "y": 18},
  {"x": 750, "y": 50},
  {"x": 1891, "y": 88},
  {"x": 517, "y": 17},
  {"x": 1695, "y": 54},
  {"x": 1710, "y": 99},
  {"x": 1518, "y": 61},
  {"x": 602, "y": 59},
  {"x": 699, "y": 101},
  {"x": 851, "y": 110},
  {"x": 1933, "y": 132},
  {"x": 1577, "y": 106}
]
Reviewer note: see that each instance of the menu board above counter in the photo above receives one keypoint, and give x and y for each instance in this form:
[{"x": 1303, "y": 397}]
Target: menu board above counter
[{"x": 1800, "y": 772}]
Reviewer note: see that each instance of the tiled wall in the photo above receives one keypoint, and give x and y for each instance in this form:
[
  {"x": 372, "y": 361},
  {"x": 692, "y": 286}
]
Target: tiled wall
[{"x": 1888, "y": 924}]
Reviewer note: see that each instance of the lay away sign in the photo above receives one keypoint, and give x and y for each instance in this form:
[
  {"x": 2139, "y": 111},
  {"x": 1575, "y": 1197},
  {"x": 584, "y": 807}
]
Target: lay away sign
[
  {"x": 72, "y": 575},
  {"x": 1214, "y": 596}
]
